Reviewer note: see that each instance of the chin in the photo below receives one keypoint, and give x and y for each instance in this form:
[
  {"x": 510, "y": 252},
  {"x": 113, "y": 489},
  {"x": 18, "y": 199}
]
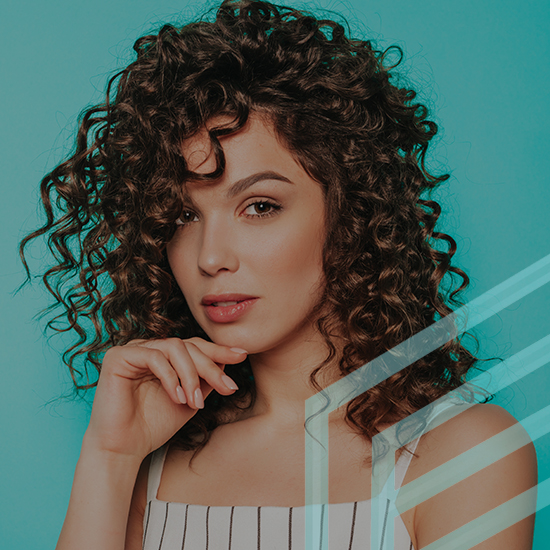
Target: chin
[
  {"x": 232, "y": 336},
  {"x": 248, "y": 340}
]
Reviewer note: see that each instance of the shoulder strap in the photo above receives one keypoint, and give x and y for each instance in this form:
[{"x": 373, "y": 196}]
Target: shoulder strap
[
  {"x": 155, "y": 471},
  {"x": 404, "y": 460}
]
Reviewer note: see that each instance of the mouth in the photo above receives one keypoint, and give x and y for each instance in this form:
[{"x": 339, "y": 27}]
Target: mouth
[{"x": 227, "y": 308}]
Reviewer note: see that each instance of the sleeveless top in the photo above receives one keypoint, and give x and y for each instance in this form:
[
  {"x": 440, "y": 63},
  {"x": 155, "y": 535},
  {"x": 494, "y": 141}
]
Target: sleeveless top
[{"x": 180, "y": 526}]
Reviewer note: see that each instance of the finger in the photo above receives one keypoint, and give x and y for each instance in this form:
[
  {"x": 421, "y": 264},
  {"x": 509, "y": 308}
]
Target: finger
[
  {"x": 140, "y": 360},
  {"x": 207, "y": 360},
  {"x": 211, "y": 372},
  {"x": 136, "y": 342},
  {"x": 218, "y": 353},
  {"x": 192, "y": 364},
  {"x": 177, "y": 354}
]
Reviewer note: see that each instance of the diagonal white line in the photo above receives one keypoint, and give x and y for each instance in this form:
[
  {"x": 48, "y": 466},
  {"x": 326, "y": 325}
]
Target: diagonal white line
[
  {"x": 496, "y": 520},
  {"x": 391, "y": 362}
]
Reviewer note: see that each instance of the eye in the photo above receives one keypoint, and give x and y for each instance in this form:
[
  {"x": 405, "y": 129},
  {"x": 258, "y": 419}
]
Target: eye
[
  {"x": 261, "y": 209},
  {"x": 186, "y": 217}
]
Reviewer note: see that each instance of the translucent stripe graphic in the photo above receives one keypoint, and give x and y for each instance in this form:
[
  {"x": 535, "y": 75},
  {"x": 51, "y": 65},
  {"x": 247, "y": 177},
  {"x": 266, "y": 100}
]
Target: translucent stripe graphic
[
  {"x": 432, "y": 337},
  {"x": 494, "y": 380},
  {"x": 389, "y": 363},
  {"x": 496, "y": 520},
  {"x": 474, "y": 460}
]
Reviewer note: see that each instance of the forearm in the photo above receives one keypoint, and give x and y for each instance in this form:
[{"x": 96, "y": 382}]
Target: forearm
[{"x": 100, "y": 501}]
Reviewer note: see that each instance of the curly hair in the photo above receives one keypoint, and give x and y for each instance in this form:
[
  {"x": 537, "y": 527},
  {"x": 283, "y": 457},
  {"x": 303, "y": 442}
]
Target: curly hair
[{"x": 332, "y": 102}]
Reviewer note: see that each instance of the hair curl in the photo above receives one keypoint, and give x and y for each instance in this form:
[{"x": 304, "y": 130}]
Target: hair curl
[{"x": 363, "y": 138}]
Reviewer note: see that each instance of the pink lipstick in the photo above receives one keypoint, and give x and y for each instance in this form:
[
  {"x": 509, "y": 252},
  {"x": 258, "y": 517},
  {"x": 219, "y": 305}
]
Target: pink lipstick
[{"x": 226, "y": 308}]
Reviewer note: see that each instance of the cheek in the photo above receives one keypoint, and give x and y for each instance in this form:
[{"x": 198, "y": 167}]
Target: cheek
[
  {"x": 293, "y": 260},
  {"x": 175, "y": 256}
]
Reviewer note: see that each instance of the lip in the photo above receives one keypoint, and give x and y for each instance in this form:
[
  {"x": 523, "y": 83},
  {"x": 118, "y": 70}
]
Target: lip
[
  {"x": 232, "y": 297},
  {"x": 227, "y": 314}
]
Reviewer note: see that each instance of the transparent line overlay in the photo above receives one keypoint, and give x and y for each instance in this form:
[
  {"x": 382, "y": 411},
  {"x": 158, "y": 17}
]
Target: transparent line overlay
[
  {"x": 496, "y": 520},
  {"x": 318, "y": 407}
]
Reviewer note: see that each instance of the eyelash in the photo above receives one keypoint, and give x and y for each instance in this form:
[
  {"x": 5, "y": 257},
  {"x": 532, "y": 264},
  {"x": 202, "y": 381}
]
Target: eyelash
[
  {"x": 274, "y": 208},
  {"x": 273, "y": 205}
]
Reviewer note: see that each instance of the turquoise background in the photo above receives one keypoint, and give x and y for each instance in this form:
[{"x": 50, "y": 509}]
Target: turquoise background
[{"x": 483, "y": 67}]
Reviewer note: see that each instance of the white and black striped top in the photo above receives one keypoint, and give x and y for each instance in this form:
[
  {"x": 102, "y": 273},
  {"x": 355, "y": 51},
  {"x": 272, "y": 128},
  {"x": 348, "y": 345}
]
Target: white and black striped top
[{"x": 179, "y": 526}]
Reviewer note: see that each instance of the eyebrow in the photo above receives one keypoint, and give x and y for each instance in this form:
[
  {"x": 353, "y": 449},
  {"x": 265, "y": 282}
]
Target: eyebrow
[{"x": 241, "y": 185}]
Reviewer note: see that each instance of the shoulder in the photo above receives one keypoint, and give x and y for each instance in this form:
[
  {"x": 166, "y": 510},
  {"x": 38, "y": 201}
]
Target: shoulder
[
  {"x": 483, "y": 457},
  {"x": 471, "y": 426}
]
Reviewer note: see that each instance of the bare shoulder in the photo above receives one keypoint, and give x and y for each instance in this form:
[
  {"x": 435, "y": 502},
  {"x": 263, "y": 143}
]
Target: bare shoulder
[
  {"x": 482, "y": 420},
  {"x": 484, "y": 458},
  {"x": 461, "y": 432}
]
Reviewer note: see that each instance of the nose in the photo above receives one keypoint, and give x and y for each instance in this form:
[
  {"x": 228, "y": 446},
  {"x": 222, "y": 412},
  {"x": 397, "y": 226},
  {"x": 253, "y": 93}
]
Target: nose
[{"x": 217, "y": 251}]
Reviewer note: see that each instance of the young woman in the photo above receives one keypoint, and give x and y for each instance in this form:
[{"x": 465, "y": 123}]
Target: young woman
[{"x": 246, "y": 218}]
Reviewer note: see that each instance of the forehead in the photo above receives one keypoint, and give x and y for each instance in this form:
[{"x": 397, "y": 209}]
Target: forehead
[
  {"x": 253, "y": 155},
  {"x": 257, "y": 143}
]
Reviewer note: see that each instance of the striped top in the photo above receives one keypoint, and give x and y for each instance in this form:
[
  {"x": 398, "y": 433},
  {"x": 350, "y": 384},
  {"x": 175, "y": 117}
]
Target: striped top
[{"x": 179, "y": 526}]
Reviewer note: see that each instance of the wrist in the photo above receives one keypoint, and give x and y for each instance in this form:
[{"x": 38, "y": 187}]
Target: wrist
[{"x": 92, "y": 450}]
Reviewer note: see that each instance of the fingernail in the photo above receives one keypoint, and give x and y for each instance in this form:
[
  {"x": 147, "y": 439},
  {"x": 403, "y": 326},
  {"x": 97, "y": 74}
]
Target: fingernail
[
  {"x": 199, "y": 401},
  {"x": 229, "y": 383},
  {"x": 181, "y": 395},
  {"x": 239, "y": 350}
]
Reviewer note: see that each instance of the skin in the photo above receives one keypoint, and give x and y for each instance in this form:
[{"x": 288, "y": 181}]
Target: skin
[
  {"x": 279, "y": 259},
  {"x": 226, "y": 246},
  {"x": 258, "y": 459}
]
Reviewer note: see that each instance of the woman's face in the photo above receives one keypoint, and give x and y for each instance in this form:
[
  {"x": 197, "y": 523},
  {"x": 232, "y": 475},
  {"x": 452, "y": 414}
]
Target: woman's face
[{"x": 255, "y": 237}]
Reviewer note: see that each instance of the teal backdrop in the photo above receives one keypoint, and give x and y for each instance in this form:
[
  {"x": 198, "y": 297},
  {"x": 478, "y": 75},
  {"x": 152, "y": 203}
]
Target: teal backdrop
[{"x": 482, "y": 67}]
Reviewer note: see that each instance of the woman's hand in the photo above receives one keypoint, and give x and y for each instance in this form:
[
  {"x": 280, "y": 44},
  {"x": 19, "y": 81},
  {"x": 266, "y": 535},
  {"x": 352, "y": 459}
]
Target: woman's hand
[{"x": 148, "y": 389}]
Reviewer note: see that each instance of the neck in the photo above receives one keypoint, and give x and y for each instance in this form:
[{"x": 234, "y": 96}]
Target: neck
[{"x": 282, "y": 379}]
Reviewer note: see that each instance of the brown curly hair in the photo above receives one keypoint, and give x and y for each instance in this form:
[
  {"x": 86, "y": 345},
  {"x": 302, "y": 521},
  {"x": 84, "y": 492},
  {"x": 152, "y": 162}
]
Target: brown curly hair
[{"x": 332, "y": 101}]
